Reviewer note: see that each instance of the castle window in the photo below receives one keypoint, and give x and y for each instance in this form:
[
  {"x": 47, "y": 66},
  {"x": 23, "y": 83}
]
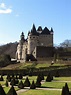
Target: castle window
[{"x": 33, "y": 37}]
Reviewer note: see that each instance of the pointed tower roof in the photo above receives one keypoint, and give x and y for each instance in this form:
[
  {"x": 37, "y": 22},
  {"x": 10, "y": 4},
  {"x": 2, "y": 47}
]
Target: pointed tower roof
[
  {"x": 33, "y": 30},
  {"x": 22, "y": 39},
  {"x": 45, "y": 31},
  {"x": 39, "y": 28},
  {"x": 51, "y": 30},
  {"x": 22, "y": 36}
]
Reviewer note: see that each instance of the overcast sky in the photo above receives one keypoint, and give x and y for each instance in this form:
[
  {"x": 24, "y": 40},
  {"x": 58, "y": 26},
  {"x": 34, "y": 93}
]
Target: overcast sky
[{"x": 19, "y": 15}]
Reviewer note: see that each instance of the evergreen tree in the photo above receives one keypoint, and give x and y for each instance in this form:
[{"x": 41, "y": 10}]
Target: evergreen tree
[
  {"x": 38, "y": 81},
  {"x": 65, "y": 90},
  {"x": 6, "y": 83},
  {"x": 57, "y": 74},
  {"x": 21, "y": 85},
  {"x": 1, "y": 78},
  {"x": 8, "y": 78},
  {"x": 20, "y": 76},
  {"x": 2, "y": 91},
  {"x": 27, "y": 82},
  {"x": 39, "y": 78},
  {"x": 49, "y": 78},
  {"x": 16, "y": 81},
  {"x": 12, "y": 82},
  {"x": 12, "y": 91},
  {"x": 16, "y": 77},
  {"x": 32, "y": 86}
]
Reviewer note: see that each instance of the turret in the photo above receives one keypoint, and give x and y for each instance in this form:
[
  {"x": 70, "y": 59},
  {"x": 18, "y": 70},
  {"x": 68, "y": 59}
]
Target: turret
[
  {"x": 33, "y": 30},
  {"x": 51, "y": 30},
  {"x": 22, "y": 39},
  {"x": 39, "y": 30}
]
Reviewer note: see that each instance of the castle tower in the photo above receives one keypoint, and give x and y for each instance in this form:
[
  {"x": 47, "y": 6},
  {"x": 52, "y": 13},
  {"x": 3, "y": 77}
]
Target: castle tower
[
  {"x": 32, "y": 39},
  {"x": 22, "y": 39},
  {"x": 20, "y": 47}
]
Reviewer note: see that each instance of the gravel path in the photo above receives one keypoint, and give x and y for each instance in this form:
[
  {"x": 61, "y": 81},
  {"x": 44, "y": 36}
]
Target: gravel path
[{"x": 22, "y": 90}]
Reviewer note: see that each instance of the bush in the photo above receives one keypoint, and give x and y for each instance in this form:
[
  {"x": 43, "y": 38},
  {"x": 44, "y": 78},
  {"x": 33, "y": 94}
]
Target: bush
[
  {"x": 12, "y": 82},
  {"x": 65, "y": 90},
  {"x": 5, "y": 60},
  {"x": 16, "y": 77},
  {"x": 16, "y": 81},
  {"x": 1, "y": 78},
  {"x": 38, "y": 82},
  {"x": 8, "y": 78},
  {"x": 20, "y": 76},
  {"x": 21, "y": 85},
  {"x": 57, "y": 74},
  {"x": 12, "y": 91},
  {"x": 41, "y": 76},
  {"x": 49, "y": 78},
  {"x": 2, "y": 91},
  {"x": 6, "y": 83},
  {"x": 32, "y": 86},
  {"x": 27, "y": 83}
]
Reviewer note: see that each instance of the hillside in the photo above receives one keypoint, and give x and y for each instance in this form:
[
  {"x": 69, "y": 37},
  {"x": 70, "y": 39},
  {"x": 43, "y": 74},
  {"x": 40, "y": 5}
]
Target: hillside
[{"x": 9, "y": 48}]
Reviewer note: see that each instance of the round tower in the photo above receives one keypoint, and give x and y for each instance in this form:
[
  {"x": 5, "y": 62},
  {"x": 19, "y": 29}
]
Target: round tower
[{"x": 22, "y": 39}]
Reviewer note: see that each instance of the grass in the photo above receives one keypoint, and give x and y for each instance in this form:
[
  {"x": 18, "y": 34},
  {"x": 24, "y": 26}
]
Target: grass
[
  {"x": 41, "y": 92},
  {"x": 6, "y": 89},
  {"x": 62, "y": 78},
  {"x": 31, "y": 78},
  {"x": 37, "y": 65},
  {"x": 58, "y": 82}
]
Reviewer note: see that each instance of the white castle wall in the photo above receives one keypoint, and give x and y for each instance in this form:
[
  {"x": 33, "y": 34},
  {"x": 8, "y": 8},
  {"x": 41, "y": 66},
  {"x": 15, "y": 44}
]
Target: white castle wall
[{"x": 32, "y": 43}]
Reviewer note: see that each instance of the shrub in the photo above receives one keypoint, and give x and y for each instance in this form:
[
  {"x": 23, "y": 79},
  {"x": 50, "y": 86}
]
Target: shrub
[
  {"x": 6, "y": 83},
  {"x": 57, "y": 74},
  {"x": 21, "y": 85},
  {"x": 2, "y": 91},
  {"x": 12, "y": 91},
  {"x": 32, "y": 86},
  {"x": 49, "y": 78},
  {"x": 27, "y": 82},
  {"x": 16, "y": 81},
  {"x": 20, "y": 76},
  {"x": 12, "y": 82},
  {"x": 1, "y": 78},
  {"x": 16, "y": 77},
  {"x": 12, "y": 76},
  {"x": 65, "y": 90},
  {"x": 38, "y": 82},
  {"x": 8, "y": 78},
  {"x": 39, "y": 78}
]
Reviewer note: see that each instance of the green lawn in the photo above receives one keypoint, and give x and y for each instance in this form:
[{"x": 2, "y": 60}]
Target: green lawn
[
  {"x": 55, "y": 84},
  {"x": 62, "y": 78},
  {"x": 6, "y": 89},
  {"x": 31, "y": 78},
  {"x": 41, "y": 92},
  {"x": 58, "y": 82}
]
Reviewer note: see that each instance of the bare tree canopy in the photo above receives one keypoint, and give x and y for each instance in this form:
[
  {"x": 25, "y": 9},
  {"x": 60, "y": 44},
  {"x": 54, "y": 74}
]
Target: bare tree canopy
[{"x": 66, "y": 43}]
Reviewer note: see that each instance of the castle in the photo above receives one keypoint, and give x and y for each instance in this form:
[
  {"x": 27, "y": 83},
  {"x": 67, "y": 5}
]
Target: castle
[{"x": 37, "y": 46}]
